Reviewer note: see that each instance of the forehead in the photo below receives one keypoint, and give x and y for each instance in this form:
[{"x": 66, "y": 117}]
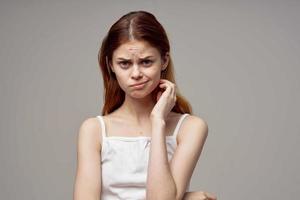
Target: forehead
[{"x": 135, "y": 48}]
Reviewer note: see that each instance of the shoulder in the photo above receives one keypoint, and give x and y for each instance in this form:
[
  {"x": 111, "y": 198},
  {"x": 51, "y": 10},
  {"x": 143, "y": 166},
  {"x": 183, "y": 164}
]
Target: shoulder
[
  {"x": 196, "y": 121},
  {"x": 90, "y": 133},
  {"x": 193, "y": 127}
]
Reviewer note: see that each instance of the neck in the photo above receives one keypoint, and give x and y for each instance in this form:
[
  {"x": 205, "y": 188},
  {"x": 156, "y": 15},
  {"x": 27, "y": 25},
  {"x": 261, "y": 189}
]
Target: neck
[{"x": 138, "y": 110}]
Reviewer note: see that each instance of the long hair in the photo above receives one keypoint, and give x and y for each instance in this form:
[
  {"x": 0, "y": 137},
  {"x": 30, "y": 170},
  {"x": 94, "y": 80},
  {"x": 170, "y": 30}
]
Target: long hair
[{"x": 141, "y": 26}]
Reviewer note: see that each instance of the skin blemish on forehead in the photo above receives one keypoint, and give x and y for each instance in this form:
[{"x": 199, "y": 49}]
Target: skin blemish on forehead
[{"x": 135, "y": 50}]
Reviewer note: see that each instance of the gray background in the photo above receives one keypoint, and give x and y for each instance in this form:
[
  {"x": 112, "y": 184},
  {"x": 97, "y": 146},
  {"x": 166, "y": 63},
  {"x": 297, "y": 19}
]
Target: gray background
[{"x": 236, "y": 61}]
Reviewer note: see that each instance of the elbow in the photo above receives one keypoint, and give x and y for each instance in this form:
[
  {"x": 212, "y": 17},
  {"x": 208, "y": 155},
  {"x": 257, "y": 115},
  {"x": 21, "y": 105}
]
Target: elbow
[
  {"x": 179, "y": 196},
  {"x": 164, "y": 196},
  {"x": 174, "y": 197}
]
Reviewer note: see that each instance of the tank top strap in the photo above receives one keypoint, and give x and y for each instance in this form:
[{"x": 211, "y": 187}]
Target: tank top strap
[
  {"x": 103, "y": 131},
  {"x": 179, "y": 124}
]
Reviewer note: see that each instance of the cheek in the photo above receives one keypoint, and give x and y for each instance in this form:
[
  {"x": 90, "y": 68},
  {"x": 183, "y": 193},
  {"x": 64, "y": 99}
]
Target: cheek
[
  {"x": 153, "y": 73},
  {"x": 154, "y": 82},
  {"x": 122, "y": 81},
  {"x": 156, "y": 77}
]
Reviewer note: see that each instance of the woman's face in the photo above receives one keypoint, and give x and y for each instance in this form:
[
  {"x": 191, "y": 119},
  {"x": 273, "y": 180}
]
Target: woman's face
[{"x": 137, "y": 62}]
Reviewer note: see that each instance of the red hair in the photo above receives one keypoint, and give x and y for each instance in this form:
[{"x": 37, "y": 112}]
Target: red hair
[{"x": 141, "y": 26}]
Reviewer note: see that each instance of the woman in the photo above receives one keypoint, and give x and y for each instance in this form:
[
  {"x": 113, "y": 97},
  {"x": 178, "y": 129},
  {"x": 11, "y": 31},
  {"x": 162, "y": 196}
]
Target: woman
[{"x": 146, "y": 143}]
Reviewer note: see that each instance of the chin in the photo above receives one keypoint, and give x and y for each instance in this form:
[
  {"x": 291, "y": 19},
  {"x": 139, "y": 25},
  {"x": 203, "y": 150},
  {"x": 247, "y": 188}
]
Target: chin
[{"x": 140, "y": 94}]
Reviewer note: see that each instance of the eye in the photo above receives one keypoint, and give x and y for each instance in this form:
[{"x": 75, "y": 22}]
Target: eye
[
  {"x": 147, "y": 62},
  {"x": 124, "y": 64}
]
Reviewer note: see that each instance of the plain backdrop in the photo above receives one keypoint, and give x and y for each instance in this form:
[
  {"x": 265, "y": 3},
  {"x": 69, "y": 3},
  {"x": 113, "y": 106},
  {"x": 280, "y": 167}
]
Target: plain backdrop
[{"x": 237, "y": 62}]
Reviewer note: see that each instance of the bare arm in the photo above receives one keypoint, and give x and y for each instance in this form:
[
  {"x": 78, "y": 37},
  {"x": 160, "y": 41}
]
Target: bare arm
[
  {"x": 169, "y": 181},
  {"x": 88, "y": 175},
  {"x": 160, "y": 182},
  {"x": 187, "y": 153}
]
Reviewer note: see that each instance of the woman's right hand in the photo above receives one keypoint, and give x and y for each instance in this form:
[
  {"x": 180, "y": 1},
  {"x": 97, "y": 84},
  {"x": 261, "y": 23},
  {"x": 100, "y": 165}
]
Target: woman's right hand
[{"x": 199, "y": 195}]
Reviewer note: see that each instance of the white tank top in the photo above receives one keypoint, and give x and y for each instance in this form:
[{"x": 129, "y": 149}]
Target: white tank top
[{"x": 124, "y": 163}]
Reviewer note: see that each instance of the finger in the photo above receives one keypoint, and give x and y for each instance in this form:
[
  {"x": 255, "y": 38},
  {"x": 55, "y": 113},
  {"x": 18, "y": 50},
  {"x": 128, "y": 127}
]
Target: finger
[
  {"x": 171, "y": 85},
  {"x": 168, "y": 84},
  {"x": 167, "y": 88},
  {"x": 174, "y": 91},
  {"x": 210, "y": 196}
]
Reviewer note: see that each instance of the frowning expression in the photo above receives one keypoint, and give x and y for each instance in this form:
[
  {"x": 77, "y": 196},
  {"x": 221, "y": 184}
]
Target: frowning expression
[{"x": 137, "y": 62}]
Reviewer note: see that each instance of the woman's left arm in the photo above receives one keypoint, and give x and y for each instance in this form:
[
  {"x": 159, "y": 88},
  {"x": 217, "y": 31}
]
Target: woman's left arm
[
  {"x": 160, "y": 182},
  {"x": 187, "y": 153},
  {"x": 169, "y": 180}
]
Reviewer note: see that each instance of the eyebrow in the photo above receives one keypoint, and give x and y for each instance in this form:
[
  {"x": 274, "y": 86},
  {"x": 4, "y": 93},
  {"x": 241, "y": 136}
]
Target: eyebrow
[{"x": 120, "y": 58}]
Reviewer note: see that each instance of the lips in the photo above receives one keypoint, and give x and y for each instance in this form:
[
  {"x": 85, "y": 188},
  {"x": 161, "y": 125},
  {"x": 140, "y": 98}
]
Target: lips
[{"x": 139, "y": 83}]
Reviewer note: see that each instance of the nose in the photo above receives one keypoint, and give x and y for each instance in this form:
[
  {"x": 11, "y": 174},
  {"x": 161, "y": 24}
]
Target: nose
[{"x": 136, "y": 73}]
